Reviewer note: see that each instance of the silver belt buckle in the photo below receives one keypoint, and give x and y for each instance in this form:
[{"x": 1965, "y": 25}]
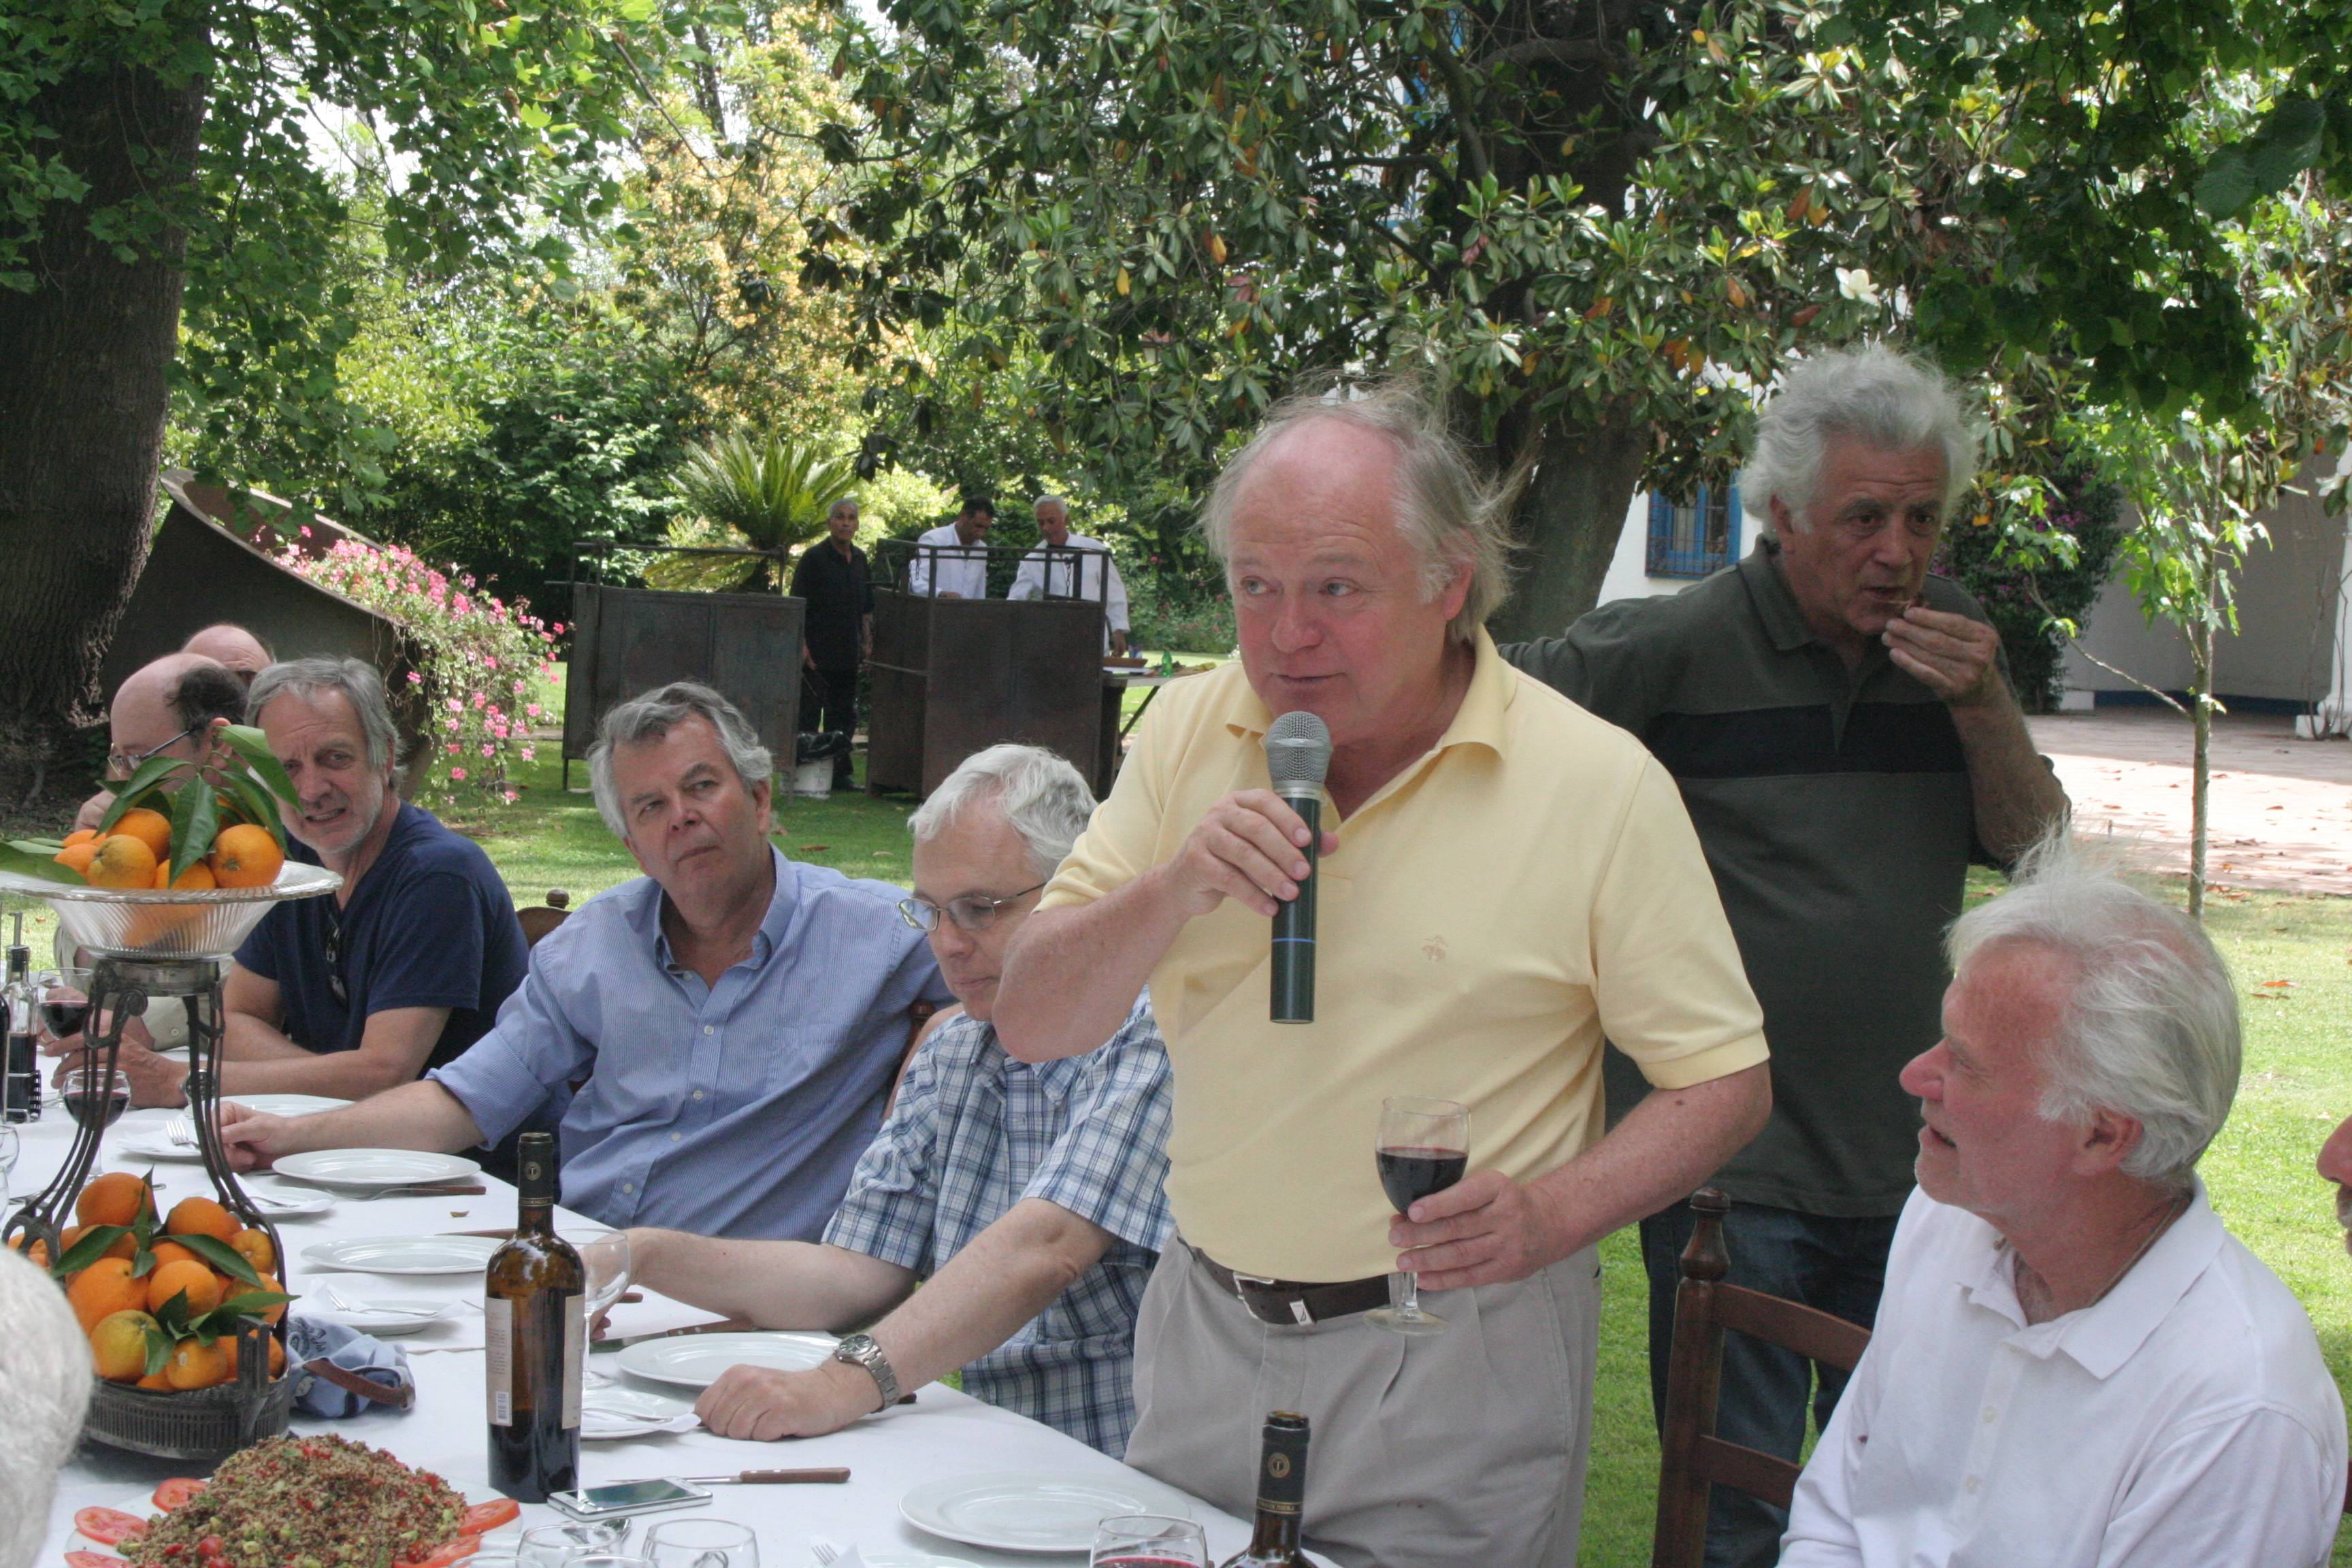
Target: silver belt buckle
[
  {"x": 1299, "y": 1313},
  {"x": 1241, "y": 1280}
]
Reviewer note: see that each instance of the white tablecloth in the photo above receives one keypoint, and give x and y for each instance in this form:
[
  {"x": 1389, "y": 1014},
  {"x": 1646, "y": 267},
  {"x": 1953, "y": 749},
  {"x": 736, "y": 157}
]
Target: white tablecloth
[{"x": 942, "y": 1434}]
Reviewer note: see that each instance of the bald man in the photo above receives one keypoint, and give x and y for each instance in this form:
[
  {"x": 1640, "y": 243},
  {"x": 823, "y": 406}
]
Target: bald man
[
  {"x": 171, "y": 708},
  {"x": 245, "y": 654}
]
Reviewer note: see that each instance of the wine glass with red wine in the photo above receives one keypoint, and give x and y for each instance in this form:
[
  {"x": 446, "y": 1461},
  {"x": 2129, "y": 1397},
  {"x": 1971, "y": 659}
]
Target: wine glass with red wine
[
  {"x": 1424, "y": 1148},
  {"x": 96, "y": 1096},
  {"x": 65, "y": 1002},
  {"x": 1148, "y": 1540}
]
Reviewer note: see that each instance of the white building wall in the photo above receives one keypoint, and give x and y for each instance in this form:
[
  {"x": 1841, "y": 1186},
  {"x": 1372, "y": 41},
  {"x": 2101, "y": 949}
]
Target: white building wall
[{"x": 2285, "y": 647}]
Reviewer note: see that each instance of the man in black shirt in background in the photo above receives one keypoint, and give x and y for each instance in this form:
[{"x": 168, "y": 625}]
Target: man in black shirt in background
[{"x": 831, "y": 579}]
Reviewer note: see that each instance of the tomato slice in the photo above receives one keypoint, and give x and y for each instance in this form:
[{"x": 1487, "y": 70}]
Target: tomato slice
[
  {"x": 455, "y": 1552},
  {"x": 177, "y": 1491},
  {"x": 109, "y": 1526},
  {"x": 485, "y": 1517},
  {"x": 91, "y": 1560}
]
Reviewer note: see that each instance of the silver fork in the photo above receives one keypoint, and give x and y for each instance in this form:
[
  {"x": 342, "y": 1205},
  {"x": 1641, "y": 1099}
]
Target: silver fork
[
  {"x": 180, "y": 1131},
  {"x": 823, "y": 1551}
]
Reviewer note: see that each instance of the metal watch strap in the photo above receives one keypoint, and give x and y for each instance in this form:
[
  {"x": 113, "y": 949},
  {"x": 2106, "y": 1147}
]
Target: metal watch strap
[{"x": 860, "y": 1350}]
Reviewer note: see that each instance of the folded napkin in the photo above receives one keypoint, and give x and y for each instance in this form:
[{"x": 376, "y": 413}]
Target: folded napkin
[{"x": 339, "y": 1372}]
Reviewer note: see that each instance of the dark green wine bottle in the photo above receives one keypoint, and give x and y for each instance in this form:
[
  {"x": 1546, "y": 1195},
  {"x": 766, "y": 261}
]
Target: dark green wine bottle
[
  {"x": 535, "y": 1310},
  {"x": 1281, "y": 1491}
]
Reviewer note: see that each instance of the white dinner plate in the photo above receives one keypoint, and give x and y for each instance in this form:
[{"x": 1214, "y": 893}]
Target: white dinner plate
[
  {"x": 148, "y": 1141},
  {"x": 694, "y": 1360},
  {"x": 913, "y": 1559},
  {"x": 288, "y": 1202},
  {"x": 503, "y": 1540},
  {"x": 1035, "y": 1510},
  {"x": 404, "y": 1253},
  {"x": 286, "y": 1104},
  {"x": 375, "y": 1167},
  {"x": 614, "y": 1412},
  {"x": 373, "y": 1315}
]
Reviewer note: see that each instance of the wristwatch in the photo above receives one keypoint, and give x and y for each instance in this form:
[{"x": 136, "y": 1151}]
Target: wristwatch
[{"x": 860, "y": 1350}]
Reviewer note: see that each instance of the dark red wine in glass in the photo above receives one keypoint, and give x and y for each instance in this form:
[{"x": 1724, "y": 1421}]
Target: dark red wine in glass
[
  {"x": 1422, "y": 1148},
  {"x": 95, "y": 1110},
  {"x": 66, "y": 1016},
  {"x": 1409, "y": 1174}
]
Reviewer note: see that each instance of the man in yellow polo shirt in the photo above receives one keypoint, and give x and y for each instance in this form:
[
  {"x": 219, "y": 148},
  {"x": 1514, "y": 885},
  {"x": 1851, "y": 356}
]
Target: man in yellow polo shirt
[{"x": 1505, "y": 880}]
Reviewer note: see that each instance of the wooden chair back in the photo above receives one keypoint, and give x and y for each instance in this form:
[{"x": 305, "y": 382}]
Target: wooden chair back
[
  {"x": 537, "y": 922},
  {"x": 1692, "y": 1459}
]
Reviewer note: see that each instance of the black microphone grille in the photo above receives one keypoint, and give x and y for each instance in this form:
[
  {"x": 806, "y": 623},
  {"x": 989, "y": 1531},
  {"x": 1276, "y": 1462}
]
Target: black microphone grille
[{"x": 1298, "y": 751}]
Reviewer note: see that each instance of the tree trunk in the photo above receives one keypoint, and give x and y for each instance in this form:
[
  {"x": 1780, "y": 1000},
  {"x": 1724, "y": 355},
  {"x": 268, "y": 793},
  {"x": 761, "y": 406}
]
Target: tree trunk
[
  {"x": 1567, "y": 522},
  {"x": 82, "y": 405}
]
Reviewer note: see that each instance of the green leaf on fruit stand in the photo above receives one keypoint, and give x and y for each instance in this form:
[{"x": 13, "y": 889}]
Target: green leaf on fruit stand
[
  {"x": 159, "y": 1347},
  {"x": 195, "y": 817},
  {"x": 222, "y": 1320},
  {"x": 26, "y": 856},
  {"x": 88, "y": 1249},
  {"x": 221, "y": 1256},
  {"x": 255, "y": 803},
  {"x": 254, "y": 747},
  {"x": 149, "y": 775}
]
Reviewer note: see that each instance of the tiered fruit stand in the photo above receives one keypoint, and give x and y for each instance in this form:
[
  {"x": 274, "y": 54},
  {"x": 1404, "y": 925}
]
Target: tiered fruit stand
[{"x": 143, "y": 946}]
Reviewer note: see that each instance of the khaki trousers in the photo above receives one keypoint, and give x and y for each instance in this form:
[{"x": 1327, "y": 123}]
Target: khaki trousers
[{"x": 1463, "y": 1446}]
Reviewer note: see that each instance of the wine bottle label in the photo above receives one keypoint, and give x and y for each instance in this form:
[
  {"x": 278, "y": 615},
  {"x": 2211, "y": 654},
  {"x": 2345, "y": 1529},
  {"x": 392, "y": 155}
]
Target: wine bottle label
[
  {"x": 498, "y": 1352},
  {"x": 575, "y": 1356}
]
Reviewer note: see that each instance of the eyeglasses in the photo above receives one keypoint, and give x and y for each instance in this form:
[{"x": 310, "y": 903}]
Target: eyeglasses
[
  {"x": 969, "y": 912},
  {"x": 122, "y": 767}
]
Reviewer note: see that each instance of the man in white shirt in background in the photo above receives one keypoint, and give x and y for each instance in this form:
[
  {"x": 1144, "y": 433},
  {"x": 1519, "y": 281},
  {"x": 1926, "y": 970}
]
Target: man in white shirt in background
[
  {"x": 951, "y": 560},
  {"x": 2074, "y": 1363},
  {"x": 1045, "y": 574}
]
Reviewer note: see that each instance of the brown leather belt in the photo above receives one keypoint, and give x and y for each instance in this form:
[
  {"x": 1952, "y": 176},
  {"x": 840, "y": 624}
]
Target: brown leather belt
[{"x": 1295, "y": 1303}]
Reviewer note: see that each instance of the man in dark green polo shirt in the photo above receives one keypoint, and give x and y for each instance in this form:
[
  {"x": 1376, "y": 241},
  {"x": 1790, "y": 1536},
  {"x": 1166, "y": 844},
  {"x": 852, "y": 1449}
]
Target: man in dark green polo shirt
[{"x": 1841, "y": 726}]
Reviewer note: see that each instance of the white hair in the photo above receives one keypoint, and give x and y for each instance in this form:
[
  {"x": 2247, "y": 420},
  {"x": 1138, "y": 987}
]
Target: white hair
[
  {"x": 1044, "y": 799},
  {"x": 849, "y": 501},
  {"x": 44, "y": 1387},
  {"x": 2150, "y": 1029},
  {"x": 1042, "y": 503},
  {"x": 1883, "y": 399},
  {"x": 1453, "y": 519},
  {"x": 649, "y": 718}
]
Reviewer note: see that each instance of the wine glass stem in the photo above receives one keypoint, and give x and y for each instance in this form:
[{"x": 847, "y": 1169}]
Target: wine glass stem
[{"x": 1410, "y": 1306}]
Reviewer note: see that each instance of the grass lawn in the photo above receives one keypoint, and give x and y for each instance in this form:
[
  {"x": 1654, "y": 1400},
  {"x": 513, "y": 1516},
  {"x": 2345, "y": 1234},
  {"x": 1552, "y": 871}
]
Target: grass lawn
[{"x": 2295, "y": 1089}]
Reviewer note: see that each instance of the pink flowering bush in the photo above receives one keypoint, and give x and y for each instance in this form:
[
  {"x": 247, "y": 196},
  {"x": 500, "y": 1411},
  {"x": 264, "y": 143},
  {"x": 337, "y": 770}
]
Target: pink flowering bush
[{"x": 470, "y": 689}]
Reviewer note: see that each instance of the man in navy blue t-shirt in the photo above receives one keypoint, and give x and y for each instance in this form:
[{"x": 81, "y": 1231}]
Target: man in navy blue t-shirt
[{"x": 402, "y": 967}]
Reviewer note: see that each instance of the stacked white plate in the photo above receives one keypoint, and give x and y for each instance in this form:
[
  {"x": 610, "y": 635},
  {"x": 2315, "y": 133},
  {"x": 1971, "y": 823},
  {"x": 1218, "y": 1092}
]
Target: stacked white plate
[
  {"x": 1035, "y": 1510},
  {"x": 404, "y": 1253},
  {"x": 373, "y": 1169}
]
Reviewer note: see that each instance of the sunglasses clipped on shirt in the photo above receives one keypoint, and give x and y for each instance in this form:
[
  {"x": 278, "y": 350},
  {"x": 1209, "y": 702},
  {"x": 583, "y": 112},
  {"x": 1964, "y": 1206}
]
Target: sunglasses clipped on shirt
[{"x": 970, "y": 913}]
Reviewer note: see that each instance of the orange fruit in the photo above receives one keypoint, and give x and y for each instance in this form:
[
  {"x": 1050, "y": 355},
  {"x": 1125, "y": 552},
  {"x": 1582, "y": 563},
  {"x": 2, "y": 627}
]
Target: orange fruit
[
  {"x": 201, "y": 1216},
  {"x": 124, "y": 1246},
  {"x": 38, "y": 1252},
  {"x": 254, "y": 1246},
  {"x": 245, "y": 856},
  {"x": 202, "y": 1285},
  {"x": 104, "y": 1289},
  {"x": 114, "y": 1198},
  {"x": 197, "y": 1365},
  {"x": 118, "y": 1347},
  {"x": 196, "y": 879},
  {"x": 159, "y": 1382},
  {"x": 77, "y": 857},
  {"x": 270, "y": 1314},
  {"x": 81, "y": 835},
  {"x": 152, "y": 828},
  {"x": 172, "y": 1252},
  {"x": 122, "y": 861},
  {"x": 276, "y": 1354}
]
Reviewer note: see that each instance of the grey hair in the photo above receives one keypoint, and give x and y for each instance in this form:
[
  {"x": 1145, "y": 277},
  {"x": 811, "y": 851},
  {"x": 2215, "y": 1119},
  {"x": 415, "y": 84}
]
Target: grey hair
[
  {"x": 1042, "y": 503},
  {"x": 2150, "y": 1029},
  {"x": 1885, "y": 399},
  {"x": 355, "y": 678},
  {"x": 1454, "y": 518},
  {"x": 1041, "y": 794},
  {"x": 44, "y": 1389},
  {"x": 651, "y": 717},
  {"x": 840, "y": 501}
]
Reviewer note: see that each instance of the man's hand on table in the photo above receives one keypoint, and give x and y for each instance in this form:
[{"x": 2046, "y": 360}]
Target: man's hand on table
[
  {"x": 1246, "y": 848},
  {"x": 1485, "y": 1229},
  {"x": 155, "y": 1079},
  {"x": 251, "y": 1138},
  {"x": 762, "y": 1405}
]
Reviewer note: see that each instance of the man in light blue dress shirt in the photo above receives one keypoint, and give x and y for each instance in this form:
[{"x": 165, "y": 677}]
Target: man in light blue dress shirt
[
  {"x": 737, "y": 1019},
  {"x": 1028, "y": 1201}
]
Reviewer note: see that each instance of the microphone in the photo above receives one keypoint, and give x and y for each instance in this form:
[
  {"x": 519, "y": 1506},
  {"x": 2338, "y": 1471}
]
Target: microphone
[{"x": 1297, "y": 755}]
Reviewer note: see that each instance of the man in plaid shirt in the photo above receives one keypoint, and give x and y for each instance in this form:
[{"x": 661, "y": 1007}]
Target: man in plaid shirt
[{"x": 1026, "y": 1199}]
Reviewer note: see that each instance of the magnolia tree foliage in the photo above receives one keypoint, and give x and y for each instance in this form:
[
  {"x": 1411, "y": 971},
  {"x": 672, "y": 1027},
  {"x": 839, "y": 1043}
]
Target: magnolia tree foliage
[{"x": 1594, "y": 224}]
